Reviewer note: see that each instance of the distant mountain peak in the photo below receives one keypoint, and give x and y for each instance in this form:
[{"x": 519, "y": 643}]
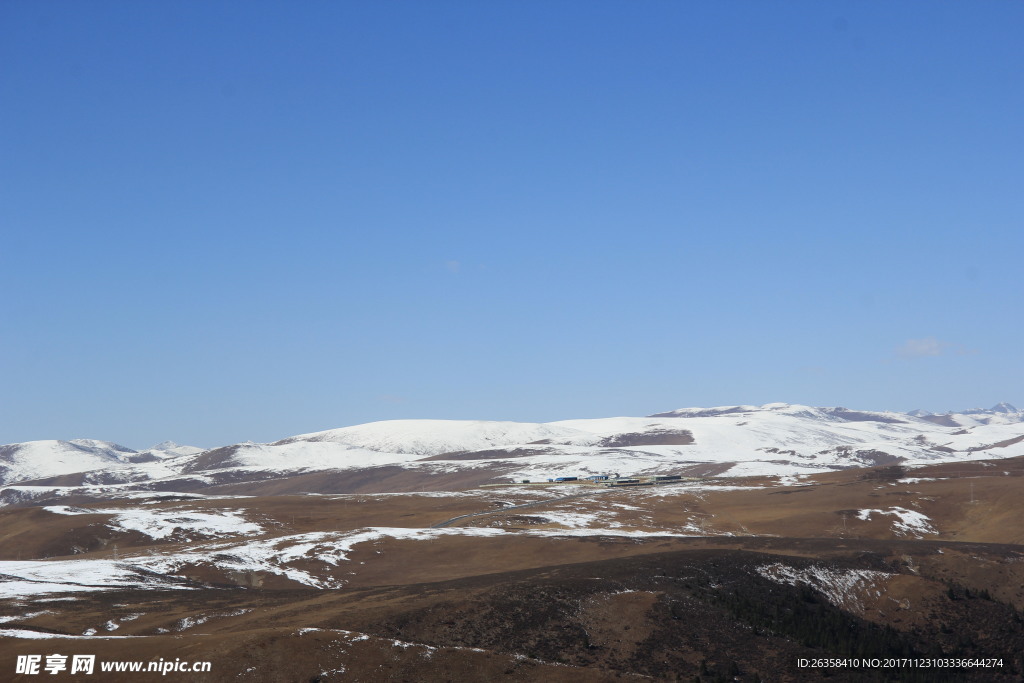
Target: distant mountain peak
[{"x": 1002, "y": 408}]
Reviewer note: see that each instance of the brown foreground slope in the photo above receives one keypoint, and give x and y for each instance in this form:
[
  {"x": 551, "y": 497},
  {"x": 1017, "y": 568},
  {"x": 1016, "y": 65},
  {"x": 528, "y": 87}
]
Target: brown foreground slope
[
  {"x": 726, "y": 580},
  {"x": 671, "y": 615}
]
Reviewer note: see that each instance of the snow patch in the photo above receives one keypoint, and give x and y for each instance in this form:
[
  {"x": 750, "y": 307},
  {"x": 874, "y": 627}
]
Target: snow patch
[
  {"x": 841, "y": 587},
  {"x": 22, "y": 617},
  {"x": 159, "y": 524},
  {"x": 36, "y": 635},
  {"x": 907, "y": 521},
  {"x": 33, "y": 577}
]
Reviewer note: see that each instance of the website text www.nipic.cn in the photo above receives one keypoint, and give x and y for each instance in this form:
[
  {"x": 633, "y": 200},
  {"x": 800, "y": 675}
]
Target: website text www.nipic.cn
[{"x": 87, "y": 664}]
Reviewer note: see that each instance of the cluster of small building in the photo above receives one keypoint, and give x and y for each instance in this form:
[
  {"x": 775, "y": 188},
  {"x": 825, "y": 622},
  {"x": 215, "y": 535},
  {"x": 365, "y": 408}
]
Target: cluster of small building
[{"x": 614, "y": 480}]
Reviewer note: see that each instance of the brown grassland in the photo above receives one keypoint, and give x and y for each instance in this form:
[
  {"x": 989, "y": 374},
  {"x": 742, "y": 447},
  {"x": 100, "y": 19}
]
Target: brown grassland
[{"x": 680, "y": 588}]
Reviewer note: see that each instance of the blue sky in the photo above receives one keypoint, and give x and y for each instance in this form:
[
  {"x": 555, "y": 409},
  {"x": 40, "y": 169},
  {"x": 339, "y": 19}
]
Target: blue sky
[{"x": 233, "y": 221}]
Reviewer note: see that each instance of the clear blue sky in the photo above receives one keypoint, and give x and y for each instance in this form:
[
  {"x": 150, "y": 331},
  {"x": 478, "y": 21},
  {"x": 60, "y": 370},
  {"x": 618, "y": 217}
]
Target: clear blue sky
[{"x": 245, "y": 220}]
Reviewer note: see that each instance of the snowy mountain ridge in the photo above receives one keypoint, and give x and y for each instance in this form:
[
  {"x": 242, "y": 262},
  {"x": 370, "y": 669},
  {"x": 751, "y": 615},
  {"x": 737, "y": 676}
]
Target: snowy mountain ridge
[{"x": 776, "y": 438}]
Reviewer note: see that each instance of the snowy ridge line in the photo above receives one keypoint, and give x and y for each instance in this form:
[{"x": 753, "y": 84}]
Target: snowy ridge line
[{"x": 777, "y": 438}]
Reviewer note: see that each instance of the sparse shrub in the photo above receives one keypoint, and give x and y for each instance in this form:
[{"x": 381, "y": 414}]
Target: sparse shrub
[{"x": 889, "y": 473}]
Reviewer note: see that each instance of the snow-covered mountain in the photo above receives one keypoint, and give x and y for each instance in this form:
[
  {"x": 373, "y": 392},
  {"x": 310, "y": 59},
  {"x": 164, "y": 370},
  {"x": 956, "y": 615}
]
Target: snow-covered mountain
[
  {"x": 776, "y": 438},
  {"x": 434, "y": 437},
  {"x": 51, "y": 458},
  {"x": 35, "y": 459},
  {"x": 1001, "y": 413}
]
